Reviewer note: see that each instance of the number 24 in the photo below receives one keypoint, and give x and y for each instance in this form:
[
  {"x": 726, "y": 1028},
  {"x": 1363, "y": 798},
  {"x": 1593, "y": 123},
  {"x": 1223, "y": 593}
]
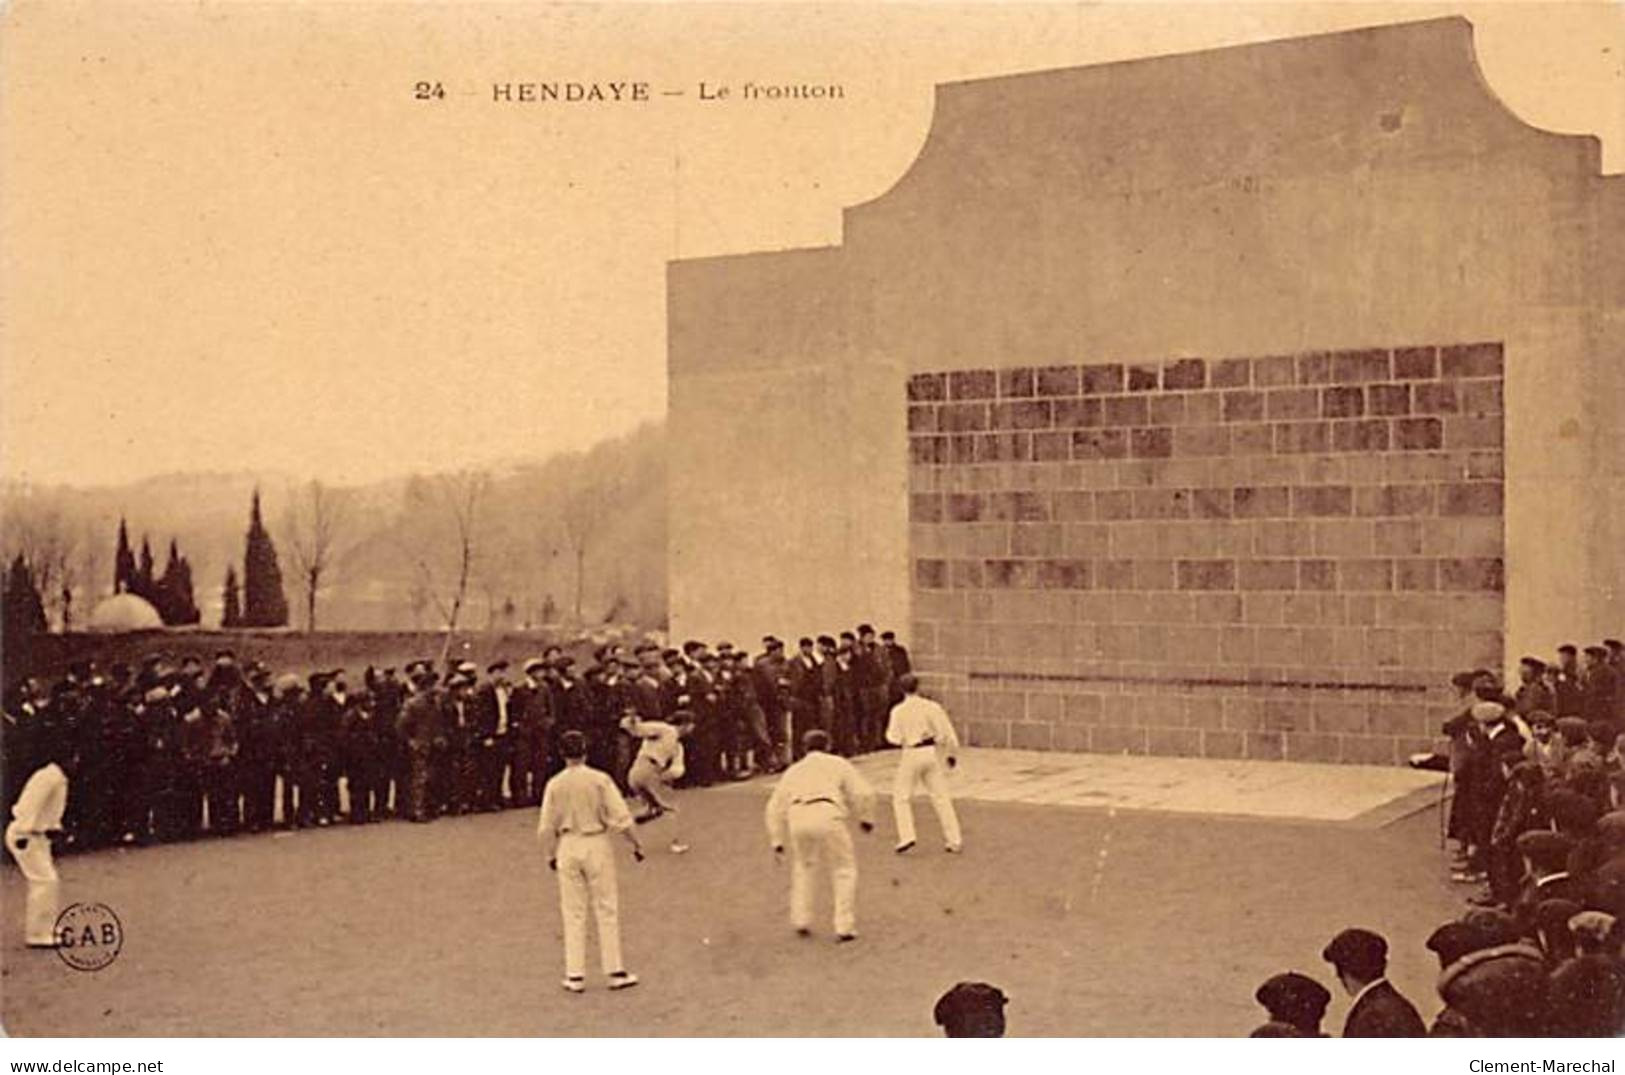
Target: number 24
[{"x": 428, "y": 91}]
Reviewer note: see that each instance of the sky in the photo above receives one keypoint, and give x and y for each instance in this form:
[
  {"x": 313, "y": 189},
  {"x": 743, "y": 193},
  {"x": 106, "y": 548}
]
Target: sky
[{"x": 235, "y": 240}]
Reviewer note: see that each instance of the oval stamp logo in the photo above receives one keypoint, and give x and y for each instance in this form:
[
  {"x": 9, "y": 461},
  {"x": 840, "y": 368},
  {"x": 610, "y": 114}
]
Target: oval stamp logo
[{"x": 89, "y": 936}]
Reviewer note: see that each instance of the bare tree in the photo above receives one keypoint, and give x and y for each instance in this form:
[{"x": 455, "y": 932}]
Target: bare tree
[
  {"x": 37, "y": 530},
  {"x": 444, "y": 513},
  {"x": 585, "y": 508},
  {"x": 316, "y": 522},
  {"x": 89, "y": 570}
]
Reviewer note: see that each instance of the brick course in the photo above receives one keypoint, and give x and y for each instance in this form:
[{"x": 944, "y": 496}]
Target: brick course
[{"x": 1262, "y": 557}]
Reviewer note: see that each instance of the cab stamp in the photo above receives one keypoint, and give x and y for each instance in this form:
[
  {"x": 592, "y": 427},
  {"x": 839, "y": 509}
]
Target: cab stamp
[{"x": 89, "y": 936}]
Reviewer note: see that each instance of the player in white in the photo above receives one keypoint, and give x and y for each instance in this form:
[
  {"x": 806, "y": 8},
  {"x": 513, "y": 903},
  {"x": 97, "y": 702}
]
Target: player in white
[
  {"x": 658, "y": 765},
  {"x": 37, "y": 814},
  {"x": 808, "y": 809},
  {"x": 581, "y": 807},
  {"x": 922, "y": 728}
]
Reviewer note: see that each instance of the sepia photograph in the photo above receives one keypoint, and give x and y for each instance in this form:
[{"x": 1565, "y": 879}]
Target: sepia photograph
[{"x": 820, "y": 521}]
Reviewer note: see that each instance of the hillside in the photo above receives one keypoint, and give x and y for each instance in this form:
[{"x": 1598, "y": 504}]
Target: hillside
[{"x": 396, "y": 553}]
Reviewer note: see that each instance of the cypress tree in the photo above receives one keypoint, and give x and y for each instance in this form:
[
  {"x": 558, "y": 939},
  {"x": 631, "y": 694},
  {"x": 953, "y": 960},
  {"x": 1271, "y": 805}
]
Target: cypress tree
[
  {"x": 231, "y": 600},
  {"x": 264, "y": 604},
  {"x": 177, "y": 604},
  {"x": 145, "y": 585},
  {"x": 21, "y": 609},
  {"x": 123, "y": 561}
]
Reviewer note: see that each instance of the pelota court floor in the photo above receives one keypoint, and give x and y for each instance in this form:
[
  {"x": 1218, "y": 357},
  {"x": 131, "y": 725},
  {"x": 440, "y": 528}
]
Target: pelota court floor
[{"x": 1106, "y": 895}]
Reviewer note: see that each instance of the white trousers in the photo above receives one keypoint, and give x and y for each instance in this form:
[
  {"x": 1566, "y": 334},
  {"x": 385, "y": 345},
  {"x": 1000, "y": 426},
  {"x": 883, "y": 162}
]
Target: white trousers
[
  {"x": 587, "y": 879},
  {"x": 915, "y": 767},
  {"x": 646, "y": 779},
  {"x": 819, "y": 840},
  {"x": 44, "y": 887}
]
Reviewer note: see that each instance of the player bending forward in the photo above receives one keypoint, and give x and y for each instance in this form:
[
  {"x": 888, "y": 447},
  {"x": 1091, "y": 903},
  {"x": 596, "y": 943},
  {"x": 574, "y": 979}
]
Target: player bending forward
[
  {"x": 659, "y": 764},
  {"x": 921, "y": 727},
  {"x": 580, "y": 808},
  {"x": 808, "y": 809}
]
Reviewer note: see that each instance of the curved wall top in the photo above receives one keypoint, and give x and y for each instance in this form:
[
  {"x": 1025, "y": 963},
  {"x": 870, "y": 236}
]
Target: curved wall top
[{"x": 1330, "y": 103}]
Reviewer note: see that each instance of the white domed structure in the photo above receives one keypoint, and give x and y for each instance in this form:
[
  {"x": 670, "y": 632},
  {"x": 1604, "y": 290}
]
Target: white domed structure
[{"x": 122, "y": 613}]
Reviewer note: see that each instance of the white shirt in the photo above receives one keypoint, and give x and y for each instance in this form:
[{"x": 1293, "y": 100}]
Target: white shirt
[
  {"x": 660, "y": 742},
  {"x": 915, "y": 719},
  {"x": 502, "y": 710},
  {"x": 39, "y": 808},
  {"x": 584, "y": 802},
  {"x": 816, "y": 778}
]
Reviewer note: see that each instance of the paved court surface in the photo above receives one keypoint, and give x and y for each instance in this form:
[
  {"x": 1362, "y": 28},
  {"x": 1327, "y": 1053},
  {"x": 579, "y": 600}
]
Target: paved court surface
[
  {"x": 1300, "y": 791},
  {"x": 1121, "y": 921}
]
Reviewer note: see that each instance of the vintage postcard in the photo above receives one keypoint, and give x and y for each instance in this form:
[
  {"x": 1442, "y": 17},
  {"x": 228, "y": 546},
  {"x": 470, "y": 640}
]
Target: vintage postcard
[{"x": 796, "y": 520}]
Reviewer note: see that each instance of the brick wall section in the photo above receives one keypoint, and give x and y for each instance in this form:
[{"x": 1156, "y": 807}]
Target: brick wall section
[{"x": 1270, "y": 557}]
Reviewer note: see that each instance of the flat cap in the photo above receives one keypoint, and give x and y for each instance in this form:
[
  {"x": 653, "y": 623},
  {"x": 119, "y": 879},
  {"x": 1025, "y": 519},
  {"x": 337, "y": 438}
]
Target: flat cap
[
  {"x": 968, "y": 998},
  {"x": 1593, "y": 927},
  {"x": 1454, "y": 940},
  {"x": 1545, "y": 849},
  {"x": 1572, "y": 812},
  {"x": 1293, "y": 998},
  {"x": 1355, "y": 947}
]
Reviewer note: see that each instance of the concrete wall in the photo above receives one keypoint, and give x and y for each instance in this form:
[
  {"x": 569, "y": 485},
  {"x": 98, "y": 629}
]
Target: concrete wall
[
  {"x": 780, "y": 520},
  {"x": 1339, "y": 193}
]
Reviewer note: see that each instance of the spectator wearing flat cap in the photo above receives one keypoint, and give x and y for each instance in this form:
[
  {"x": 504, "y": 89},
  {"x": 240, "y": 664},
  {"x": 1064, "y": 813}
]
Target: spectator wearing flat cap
[
  {"x": 806, "y": 692},
  {"x": 571, "y": 707},
  {"x": 1601, "y": 688},
  {"x": 1546, "y": 857},
  {"x": 421, "y": 728},
  {"x": 492, "y": 712},
  {"x": 1494, "y": 745},
  {"x": 1523, "y": 808},
  {"x": 1453, "y": 942},
  {"x": 1568, "y": 683},
  {"x": 1493, "y": 985},
  {"x": 1533, "y": 696},
  {"x": 971, "y": 1010},
  {"x": 770, "y": 674},
  {"x": 530, "y": 719},
  {"x": 1588, "y": 991},
  {"x": 1360, "y": 958},
  {"x": 875, "y": 688},
  {"x": 1294, "y": 1001}
]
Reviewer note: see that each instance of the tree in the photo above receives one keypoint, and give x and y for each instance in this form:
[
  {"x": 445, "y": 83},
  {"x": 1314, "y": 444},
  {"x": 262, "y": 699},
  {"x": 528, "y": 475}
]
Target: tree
[
  {"x": 231, "y": 600},
  {"x": 22, "y": 613},
  {"x": 439, "y": 535},
  {"x": 317, "y": 519},
  {"x": 123, "y": 561},
  {"x": 144, "y": 585},
  {"x": 37, "y": 530},
  {"x": 587, "y": 502},
  {"x": 175, "y": 598},
  {"x": 264, "y": 604}
]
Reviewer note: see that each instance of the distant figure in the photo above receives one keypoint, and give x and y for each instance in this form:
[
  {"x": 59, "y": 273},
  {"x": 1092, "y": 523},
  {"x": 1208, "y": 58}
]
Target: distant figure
[
  {"x": 922, "y": 728},
  {"x": 1296, "y": 1004},
  {"x": 581, "y": 806},
  {"x": 808, "y": 810},
  {"x": 659, "y": 763},
  {"x": 35, "y": 817},
  {"x": 971, "y": 1010},
  {"x": 1360, "y": 958}
]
